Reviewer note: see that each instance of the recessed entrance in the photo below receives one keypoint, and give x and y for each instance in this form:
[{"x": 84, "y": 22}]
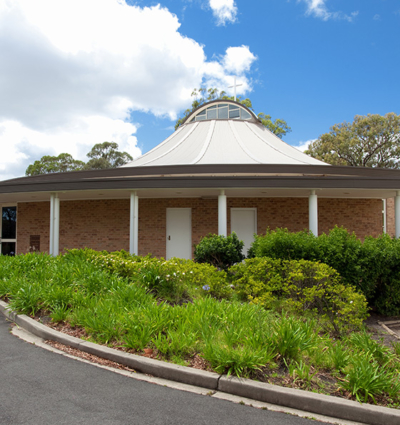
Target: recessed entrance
[
  {"x": 8, "y": 230},
  {"x": 244, "y": 224},
  {"x": 179, "y": 233}
]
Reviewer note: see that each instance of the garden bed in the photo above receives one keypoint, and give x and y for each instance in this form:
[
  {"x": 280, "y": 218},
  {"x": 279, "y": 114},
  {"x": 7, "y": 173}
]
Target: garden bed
[{"x": 194, "y": 315}]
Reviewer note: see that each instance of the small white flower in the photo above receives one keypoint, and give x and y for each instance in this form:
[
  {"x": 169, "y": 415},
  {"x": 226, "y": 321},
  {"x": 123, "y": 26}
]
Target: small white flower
[{"x": 351, "y": 302}]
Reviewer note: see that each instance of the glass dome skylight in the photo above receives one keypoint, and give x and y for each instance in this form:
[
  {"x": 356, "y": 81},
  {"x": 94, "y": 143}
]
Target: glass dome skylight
[{"x": 222, "y": 111}]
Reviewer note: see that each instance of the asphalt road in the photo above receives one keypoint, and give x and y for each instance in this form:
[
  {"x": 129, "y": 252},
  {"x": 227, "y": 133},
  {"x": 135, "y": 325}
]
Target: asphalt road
[{"x": 40, "y": 387}]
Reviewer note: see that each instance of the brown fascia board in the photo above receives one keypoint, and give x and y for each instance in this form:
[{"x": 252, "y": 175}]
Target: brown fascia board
[
  {"x": 338, "y": 182},
  {"x": 197, "y": 169}
]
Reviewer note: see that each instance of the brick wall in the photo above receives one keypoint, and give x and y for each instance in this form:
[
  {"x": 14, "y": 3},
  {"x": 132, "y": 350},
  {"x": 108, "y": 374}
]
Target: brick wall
[
  {"x": 33, "y": 219},
  {"x": 104, "y": 224},
  {"x": 363, "y": 216},
  {"x": 92, "y": 224}
]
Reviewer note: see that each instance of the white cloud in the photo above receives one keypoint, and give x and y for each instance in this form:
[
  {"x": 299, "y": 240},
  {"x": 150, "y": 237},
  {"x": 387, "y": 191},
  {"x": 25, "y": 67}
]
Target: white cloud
[
  {"x": 236, "y": 62},
  {"x": 303, "y": 146},
  {"x": 319, "y": 9},
  {"x": 377, "y": 17},
  {"x": 238, "y": 59},
  {"x": 21, "y": 145},
  {"x": 224, "y": 10},
  {"x": 71, "y": 73}
]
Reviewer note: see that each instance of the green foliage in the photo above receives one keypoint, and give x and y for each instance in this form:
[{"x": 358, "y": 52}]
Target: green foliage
[
  {"x": 279, "y": 127},
  {"x": 102, "y": 156},
  {"x": 107, "y": 296},
  {"x": 59, "y": 313},
  {"x": 305, "y": 286},
  {"x": 176, "y": 280},
  {"x": 302, "y": 373},
  {"x": 242, "y": 361},
  {"x": 339, "y": 355},
  {"x": 219, "y": 251},
  {"x": 372, "y": 266},
  {"x": 369, "y": 141},
  {"x": 291, "y": 337},
  {"x": 367, "y": 379},
  {"x": 106, "y": 155},
  {"x": 54, "y": 164},
  {"x": 396, "y": 348},
  {"x": 365, "y": 344},
  {"x": 27, "y": 299},
  {"x": 202, "y": 96}
]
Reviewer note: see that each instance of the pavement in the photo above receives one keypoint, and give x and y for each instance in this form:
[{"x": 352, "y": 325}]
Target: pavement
[{"x": 39, "y": 386}]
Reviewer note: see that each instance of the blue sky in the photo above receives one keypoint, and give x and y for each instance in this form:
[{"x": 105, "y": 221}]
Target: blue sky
[{"x": 85, "y": 71}]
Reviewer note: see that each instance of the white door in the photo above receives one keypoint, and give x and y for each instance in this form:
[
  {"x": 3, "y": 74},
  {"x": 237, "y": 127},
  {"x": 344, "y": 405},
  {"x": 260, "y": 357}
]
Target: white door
[
  {"x": 179, "y": 233},
  {"x": 244, "y": 224}
]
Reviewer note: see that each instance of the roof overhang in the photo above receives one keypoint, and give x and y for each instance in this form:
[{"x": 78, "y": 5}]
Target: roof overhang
[{"x": 252, "y": 180}]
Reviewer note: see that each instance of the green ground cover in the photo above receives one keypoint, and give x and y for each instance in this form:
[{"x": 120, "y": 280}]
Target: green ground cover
[{"x": 286, "y": 322}]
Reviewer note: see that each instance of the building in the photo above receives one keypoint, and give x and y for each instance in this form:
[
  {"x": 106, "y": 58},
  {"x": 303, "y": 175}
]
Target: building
[{"x": 221, "y": 171}]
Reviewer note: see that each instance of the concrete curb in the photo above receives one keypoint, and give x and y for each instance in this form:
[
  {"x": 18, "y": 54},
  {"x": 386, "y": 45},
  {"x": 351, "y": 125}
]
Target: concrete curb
[{"x": 289, "y": 397}]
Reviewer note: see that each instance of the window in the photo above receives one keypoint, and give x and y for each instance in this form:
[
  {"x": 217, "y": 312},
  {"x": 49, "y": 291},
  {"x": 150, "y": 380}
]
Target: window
[
  {"x": 222, "y": 111},
  {"x": 8, "y": 230}
]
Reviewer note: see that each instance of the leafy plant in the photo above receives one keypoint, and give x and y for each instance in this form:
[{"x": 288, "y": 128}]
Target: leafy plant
[
  {"x": 372, "y": 266},
  {"x": 27, "y": 299},
  {"x": 339, "y": 356},
  {"x": 306, "y": 286},
  {"x": 293, "y": 337},
  {"x": 364, "y": 343},
  {"x": 396, "y": 347},
  {"x": 302, "y": 373},
  {"x": 219, "y": 251},
  {"x": 367, "y": 379},
  {"x": 59, "y": 313},
  {"x": 236, "y": 360}
]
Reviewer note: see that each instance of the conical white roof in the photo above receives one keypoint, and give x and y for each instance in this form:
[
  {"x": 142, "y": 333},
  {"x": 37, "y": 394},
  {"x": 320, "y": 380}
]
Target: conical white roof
[{"x": 222, "y": 141}]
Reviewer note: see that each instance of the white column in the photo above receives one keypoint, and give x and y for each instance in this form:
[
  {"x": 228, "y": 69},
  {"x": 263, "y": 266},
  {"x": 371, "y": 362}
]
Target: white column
[
  {"x": 51, "y": 239},
  {"x": 56, "y": 226},
  {"x": 134, "y": 224},
  {"x": 313, "y": 213},
  {"x": 397, "y": 213},
  {"x": 222, "y": 215},
  {"x": 384, "y": 224}
]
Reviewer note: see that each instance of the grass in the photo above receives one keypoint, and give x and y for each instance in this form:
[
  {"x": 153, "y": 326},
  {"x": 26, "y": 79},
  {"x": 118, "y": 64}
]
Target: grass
[{"x": 135, "y": 303}]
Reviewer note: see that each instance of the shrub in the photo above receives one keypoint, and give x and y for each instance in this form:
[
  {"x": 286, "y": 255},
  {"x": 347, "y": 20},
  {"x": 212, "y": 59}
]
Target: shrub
[
  {"x": 219, "y": 251},
  {"x": 305, "y": 285},
  {"x": 372, "y": 266},
  {"x": 175, "y": 280}
]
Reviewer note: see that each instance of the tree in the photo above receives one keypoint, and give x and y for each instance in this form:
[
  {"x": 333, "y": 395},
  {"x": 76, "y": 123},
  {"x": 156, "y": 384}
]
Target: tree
[
  {"x": 369, "y": 141},
  {"x": 106, "y": 155},
  {"x": 103, "y": 155},
  {"x": 202, "y": 95},
  {"x": 54, "y": 164}
]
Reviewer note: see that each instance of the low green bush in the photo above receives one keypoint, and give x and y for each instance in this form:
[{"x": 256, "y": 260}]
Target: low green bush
[
  {"x": 305, "y": 286},
  {"x": 219, "y": 251},
  {"x": 372, "y": 266},
  {"x": 175, "y": 280}
]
